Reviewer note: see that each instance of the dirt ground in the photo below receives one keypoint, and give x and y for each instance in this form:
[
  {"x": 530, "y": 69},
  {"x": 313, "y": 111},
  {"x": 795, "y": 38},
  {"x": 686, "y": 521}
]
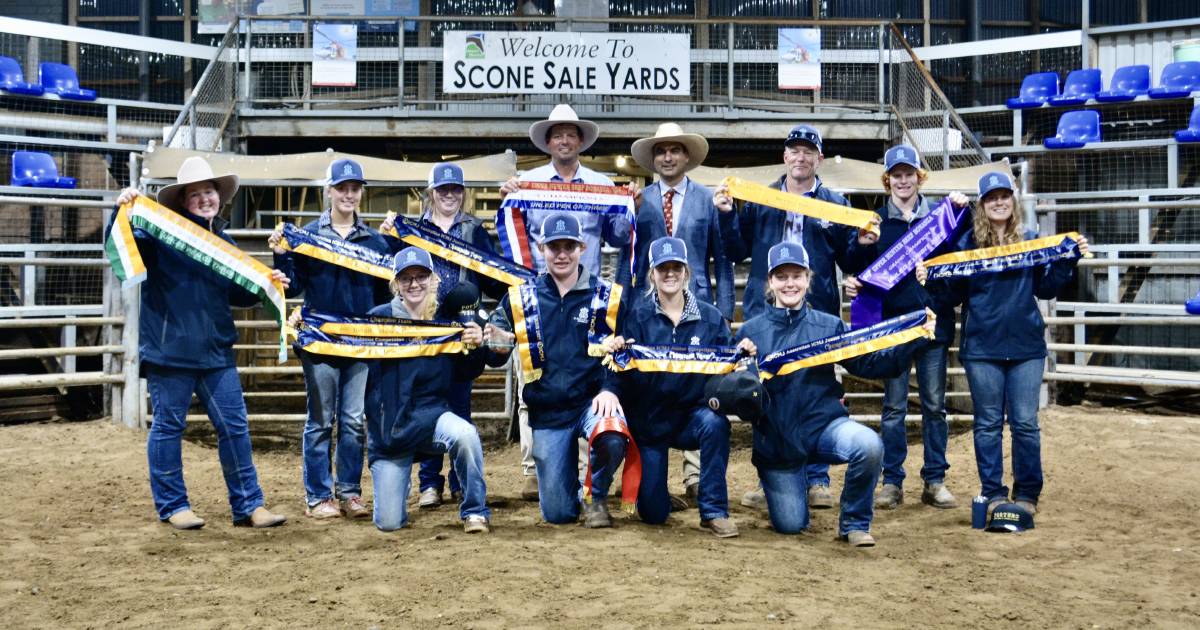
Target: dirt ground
[{"x": 1115, "y": 546}]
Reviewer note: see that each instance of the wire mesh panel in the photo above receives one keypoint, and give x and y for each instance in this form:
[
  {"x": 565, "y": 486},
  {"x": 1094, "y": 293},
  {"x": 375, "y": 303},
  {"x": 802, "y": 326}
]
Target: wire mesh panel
[{"x": 208, "y": 117}]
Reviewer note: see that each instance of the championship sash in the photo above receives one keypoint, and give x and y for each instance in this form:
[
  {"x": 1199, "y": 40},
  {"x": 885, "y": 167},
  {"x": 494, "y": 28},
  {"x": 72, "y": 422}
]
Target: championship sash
[
  {"x": 886, "y": 334},
  {"x": 182, "y": 235},
  {"x": 675, "y": 359},
  {"x": 527, "y": 326},
  {"x": 1022, "y": 255},
  {"x": 377, "y": 337},
  {"x": 548, "y": 197},
  {"x": 602, "y": 320},
  {"x": 901, "y": 258},
  {"x": 458, "y": 251},
  {"x": 337, "y": 252},
  {"x": 631, "y": 476},
  {"x": 800, "y": 204}
]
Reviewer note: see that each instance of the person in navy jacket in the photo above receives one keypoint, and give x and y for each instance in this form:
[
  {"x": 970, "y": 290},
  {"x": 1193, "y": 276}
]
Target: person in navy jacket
[
  {"x": 906, "y": 206},
  {"x": 416, "y": 413},
  {"x": 335, "y": 386},
  {"x": 1003, "y": 345},
  {"x": 573, "y": 394},
  {"x": 669, "y": 410},
  {"x": 185, "y": 344},
  {"x": 806, "y": 420}
]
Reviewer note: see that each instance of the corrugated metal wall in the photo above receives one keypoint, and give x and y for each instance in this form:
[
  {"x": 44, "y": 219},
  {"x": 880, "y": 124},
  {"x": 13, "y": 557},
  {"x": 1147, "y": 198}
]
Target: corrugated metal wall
[{"x": 1155, "y": 49}]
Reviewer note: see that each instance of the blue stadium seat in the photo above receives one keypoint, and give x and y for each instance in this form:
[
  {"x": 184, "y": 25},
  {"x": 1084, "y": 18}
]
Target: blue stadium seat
[
  {"x": 61, "y": 80},
  {"x": 1035, "y": 90},
  {"x": 1192, "y": 133},
  {"x": 1081, "y": 86},
  {"x": 30, "y": 168},
  {"x": 1075, "y": 129},
  {"x": 1128, "y": 83},
  {"x": 12, "y": 79},
  {"x": 1178, "y": 80}
]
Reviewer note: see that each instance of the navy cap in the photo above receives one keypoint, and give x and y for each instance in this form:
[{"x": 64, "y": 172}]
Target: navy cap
[
  {"x": 786, "y": 254},
  {"x": 1010, "y": 517},
  {"x": 900, "y": 154},
  {"x": 561, "y": 226},
  {"x": 412, "y": 257},
  {"x": 740, "y": 392},
  {"x": 444, "y": 174},
  {"x": 345, "y": 171},
  {"x": 804, "y": 133},
  {"x": 667, "y": 249},
  {"x": 994, "y": 180}
]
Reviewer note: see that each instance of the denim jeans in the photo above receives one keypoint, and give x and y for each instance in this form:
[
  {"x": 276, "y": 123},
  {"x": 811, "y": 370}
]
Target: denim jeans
[
  {"x": 556, "y": 457},
  {"x": 392, "y": 477},
  {"x": 842, "y": 442},
  {"x": 430, "y": 473},
  {"x": 220, "y": 392},
  {"x": 336, "y": 389},
  {"x": 999, "y": 390},
  {"x": 931, "y": 380},
  {"x": 710, "y": 433}
]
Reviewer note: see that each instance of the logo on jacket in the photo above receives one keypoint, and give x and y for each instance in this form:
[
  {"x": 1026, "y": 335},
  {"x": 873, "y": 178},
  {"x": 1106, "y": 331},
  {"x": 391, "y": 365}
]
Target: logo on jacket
[
  {"x": 582, "y": 316},
  {"x": 825, "y": 224},
  {"x": 694, "y": 341}
]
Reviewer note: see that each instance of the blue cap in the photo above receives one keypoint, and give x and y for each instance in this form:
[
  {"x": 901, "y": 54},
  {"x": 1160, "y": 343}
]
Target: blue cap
[
  {"x": 786, "y": 254},
  {"x": 995, "y": 180},
  {"x": 561, "y": 226},
  {"x": 444, "y": 174},
  {"x": 412, "y": 257},
  {"x": 1010, "y": 517},
  {"x": 901, "y": 154},
  {"x": 804, "y": 133},
  {"x": 667, "y": 249},
  {"x": 345, "y": 171}
]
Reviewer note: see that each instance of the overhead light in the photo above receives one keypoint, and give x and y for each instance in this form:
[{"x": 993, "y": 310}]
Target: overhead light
[{"x": 621, "y": 161}]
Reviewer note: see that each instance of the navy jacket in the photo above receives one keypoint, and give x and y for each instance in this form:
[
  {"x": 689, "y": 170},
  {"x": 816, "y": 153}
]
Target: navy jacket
[
  {"x": 1001, "y": 320},
  {"x": 659, "y": 404},
  {"x": 570, "y": 378},
  {"x": 752, "y": 231},
  {"x": 465, "y": 228},
  {"x": 801, "y": 404},
  {"x": 413, "y": 395},
  {"x": 332, "y": 288},
  {"x": 700, "y": 228}
]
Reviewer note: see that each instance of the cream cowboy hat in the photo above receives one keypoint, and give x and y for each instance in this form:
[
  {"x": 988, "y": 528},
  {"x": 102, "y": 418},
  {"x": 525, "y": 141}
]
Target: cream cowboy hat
[
  {"x": 193, "y": 170},
  {"x": 562, "y": 113},
  {"x": 697, "y": 147}
]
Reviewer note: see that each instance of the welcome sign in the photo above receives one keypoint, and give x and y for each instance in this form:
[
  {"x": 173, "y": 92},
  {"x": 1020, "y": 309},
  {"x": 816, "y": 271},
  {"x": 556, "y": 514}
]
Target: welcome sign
[{"x": 506, "y": 62}]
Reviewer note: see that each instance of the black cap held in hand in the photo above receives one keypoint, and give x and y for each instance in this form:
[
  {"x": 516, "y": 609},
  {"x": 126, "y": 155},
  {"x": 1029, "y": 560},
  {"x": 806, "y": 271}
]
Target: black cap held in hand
[
  {"x": 460, "y": 303},
  {"x": 738, "y": 393}
]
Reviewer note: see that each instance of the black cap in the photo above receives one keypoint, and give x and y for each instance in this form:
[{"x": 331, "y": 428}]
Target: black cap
[{"x": 738, "y": 393}]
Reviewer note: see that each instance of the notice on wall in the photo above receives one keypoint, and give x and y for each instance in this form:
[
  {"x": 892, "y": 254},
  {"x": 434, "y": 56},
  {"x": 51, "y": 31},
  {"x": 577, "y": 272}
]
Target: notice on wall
[
  {"x": 372, "y": 8},
  {"x": 335, "y": 54},
  {"x": 799, "y": 58},
  {"x": 215, "y": 16},
  {"x": 495, "y": 62}
]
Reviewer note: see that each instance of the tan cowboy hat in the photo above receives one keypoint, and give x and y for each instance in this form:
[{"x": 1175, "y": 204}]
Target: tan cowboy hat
[
  {"x": 697, "y": 147},
  {"x": 562, "y": 113},
  {"x": 196, "y": 169}
]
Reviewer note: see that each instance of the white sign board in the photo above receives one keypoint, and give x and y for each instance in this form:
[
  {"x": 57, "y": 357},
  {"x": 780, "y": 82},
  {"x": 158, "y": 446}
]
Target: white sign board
[{"x": 634, "y": 64}]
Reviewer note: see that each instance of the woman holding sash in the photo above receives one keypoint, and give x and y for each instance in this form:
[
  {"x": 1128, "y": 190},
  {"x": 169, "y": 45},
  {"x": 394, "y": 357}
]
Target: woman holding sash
[
  {"x": 1003, "y": 344},
  {"x": 416, "y": 414}
]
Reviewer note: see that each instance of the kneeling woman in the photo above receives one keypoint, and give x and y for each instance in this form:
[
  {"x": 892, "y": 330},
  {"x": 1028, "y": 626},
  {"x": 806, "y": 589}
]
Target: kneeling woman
[
  {"x": 805, "y": 419},
  {"x": 667, "y": 410},
  {"x": 416, "y": 415}
]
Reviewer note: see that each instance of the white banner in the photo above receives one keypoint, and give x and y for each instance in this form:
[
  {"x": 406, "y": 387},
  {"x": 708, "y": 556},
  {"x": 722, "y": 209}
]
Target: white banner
[{"x": 495, "y": 62}]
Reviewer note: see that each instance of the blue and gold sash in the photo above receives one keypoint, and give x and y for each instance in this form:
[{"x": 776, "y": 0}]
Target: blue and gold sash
[
  {"x": 376, "y": 337},
  {"x": 459, "y": 252},
  {"x": 527, "y": 326},
  {"x": 673, "y": 358},
  {"x": 1022, "y": 255},
  {"x": 337, "y": 252},
  {"x": 885, "y": 334},
  {"x": 602, "y": 320}
]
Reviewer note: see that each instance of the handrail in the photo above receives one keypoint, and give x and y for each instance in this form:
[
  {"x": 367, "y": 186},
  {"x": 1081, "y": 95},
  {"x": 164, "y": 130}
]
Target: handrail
[{"x": 190, "y": 105}]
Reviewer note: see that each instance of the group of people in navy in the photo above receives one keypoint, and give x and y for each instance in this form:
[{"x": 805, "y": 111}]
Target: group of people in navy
[{"x": 580, "y": 420}]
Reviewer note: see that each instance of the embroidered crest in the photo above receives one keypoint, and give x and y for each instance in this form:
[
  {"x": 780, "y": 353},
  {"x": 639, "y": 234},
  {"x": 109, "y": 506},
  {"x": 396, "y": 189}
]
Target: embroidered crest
[
  {"x": 412, "y": 257},
  {"x": 667, "y": 249},
  {"x": 560, "y": 226},
  {"x": 785, "y": 253},
  {"x": 694, "y": 341},
  {"x": 347, "y": 169},
  {"x": 447, "y": 173},
  {"x": 582, "y": 316}
]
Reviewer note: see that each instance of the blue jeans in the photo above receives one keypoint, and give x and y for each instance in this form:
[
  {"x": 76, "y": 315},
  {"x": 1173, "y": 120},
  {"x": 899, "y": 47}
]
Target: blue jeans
[
  {"x": 706, "y": 431},
  {"x": 336, "y": 389},
  {"x": 556, "y": 457},
  {"x": 1001, "y": 389},
  {"x": 392, "y": 477},
  {"x": 931, "y": 380},
  {"x": 430, "y": 473},
  {"x": 842, "y": 442},
  {"x": 220, "y": 392}
]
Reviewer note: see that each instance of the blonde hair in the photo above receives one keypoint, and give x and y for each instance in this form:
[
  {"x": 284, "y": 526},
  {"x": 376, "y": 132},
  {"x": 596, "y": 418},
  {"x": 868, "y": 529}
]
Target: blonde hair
[
  {"x": 922, "y": 177},
  {"x": 985, "y": 236},
  {"x": 427, "y": 201},
  {"x": 652, "y": 288},
  {"x": 429, "y": 308}
]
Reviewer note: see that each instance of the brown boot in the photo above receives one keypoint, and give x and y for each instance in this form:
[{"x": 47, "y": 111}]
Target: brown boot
[
  {"x": 185, "y": 519},
  {"x": 260, "y": 518},
  {"x": 530, "y": 491},
  {"x": 721, "y": 527}
]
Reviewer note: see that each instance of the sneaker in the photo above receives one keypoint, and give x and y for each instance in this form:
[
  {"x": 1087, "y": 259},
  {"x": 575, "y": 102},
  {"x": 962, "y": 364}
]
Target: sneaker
[
  {"x": 476, "y": 524},
  {"x": 819, "y": 497},
  {"x": 595, "y": 514},
  {"x": 262, "y": 517},
  {"x": 530, "y": 491},
  {"x": 324, "y": 510},
  {"x": 185, "y": 519},
  {"x": 859, "y": 538},
  {"x": 756, "y": 499},
  {"x": 1029, "y": 506},
  {"x": 937, "y": 495},
  {"x": 721, "y": 527},
  {"x": 430, "y": 498},
  {"x": 889, "y": 497},
  {"x": 355, "y": 507},
  {"x": 678, "y": 503}
]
